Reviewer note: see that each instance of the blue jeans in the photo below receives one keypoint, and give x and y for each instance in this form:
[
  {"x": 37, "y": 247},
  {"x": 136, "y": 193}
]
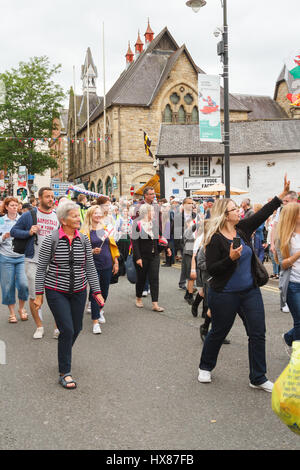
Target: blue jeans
[
  {"x": 67, "y": 310},
  {"x": 275, "y": 265},
  {"x": 104, "y": 276},
  {"x": 13, "y": 276},
  {"x": 224, "y": 307},
  {"x": 293, "y": 301}
]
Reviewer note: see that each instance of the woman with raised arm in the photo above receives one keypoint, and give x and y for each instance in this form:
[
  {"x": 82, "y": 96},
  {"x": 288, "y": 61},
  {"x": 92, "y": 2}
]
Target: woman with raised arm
[{"x": 233, "y": 267}]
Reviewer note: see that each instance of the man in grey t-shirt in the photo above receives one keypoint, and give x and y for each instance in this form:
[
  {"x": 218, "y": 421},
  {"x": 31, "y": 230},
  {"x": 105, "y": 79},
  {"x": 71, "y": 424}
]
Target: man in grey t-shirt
[{"x": 46, "y": 223}]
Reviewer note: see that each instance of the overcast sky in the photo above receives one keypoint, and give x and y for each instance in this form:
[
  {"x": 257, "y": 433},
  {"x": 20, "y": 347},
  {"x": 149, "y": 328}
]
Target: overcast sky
[{"x": 262, "y": 33}]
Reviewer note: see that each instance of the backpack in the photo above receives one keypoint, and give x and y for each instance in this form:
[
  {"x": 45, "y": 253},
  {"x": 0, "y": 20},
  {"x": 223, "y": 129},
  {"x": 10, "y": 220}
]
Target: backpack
[
  {"x": 19, "y": 244},
  {"x": 55, "y": 240}
]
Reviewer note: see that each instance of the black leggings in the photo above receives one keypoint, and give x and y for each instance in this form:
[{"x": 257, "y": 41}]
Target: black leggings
[{"x": 151, "y": 269}]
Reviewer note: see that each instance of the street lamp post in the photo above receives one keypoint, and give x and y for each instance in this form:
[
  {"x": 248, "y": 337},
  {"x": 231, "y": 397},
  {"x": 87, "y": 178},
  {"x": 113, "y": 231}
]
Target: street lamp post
[{"x": 223, "y": 52}]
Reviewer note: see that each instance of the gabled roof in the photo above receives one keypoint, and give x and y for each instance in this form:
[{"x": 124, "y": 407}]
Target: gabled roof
[
  {"x": 246, "y": 138},
  {"x": 284, "y": 76},
  {"x": 261, "y": 107},
  {"x": 140, "y": 83}
]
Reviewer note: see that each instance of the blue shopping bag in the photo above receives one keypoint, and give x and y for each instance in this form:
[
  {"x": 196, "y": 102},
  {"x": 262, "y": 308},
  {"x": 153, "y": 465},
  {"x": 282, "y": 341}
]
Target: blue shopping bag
[{"x": 130, "y": 269}]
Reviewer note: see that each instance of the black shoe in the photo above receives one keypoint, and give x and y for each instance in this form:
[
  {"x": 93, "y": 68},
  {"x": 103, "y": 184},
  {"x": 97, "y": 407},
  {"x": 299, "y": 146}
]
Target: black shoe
[
  {"x": 195, "y": 309},
  {"x": 226, "y": 341},
  {"x": 186, "y": 295},
  {"x": 203, "y": 332},
  {"x": 190, "y": 299}
]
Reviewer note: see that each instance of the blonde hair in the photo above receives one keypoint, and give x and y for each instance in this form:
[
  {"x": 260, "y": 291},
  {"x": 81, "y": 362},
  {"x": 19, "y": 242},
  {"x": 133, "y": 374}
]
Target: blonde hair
[
  {"x": 217, "y": 220},
  {"x": 285, "y": 228},
  {"x": 88, "y": 222}
]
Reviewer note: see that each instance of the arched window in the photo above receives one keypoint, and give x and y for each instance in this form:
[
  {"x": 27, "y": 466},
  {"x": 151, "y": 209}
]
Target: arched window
[
  {"x": 93, "y": 189},
  {"x": 181, "y": 115},
  {"x": 195, "y": 115},
  {"x": 108, "y": 187},
  {"x": 168, "y": 115},
  {"x": 100, "y": 187}
]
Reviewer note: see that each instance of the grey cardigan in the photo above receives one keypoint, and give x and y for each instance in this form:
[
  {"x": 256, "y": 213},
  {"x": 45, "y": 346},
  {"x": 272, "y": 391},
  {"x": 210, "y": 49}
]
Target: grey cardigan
[{"x": 284, "y": 277}]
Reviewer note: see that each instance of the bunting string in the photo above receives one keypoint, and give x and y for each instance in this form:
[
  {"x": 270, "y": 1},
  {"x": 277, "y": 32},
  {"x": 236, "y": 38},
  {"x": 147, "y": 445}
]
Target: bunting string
[{"x": 55, "y": 139}]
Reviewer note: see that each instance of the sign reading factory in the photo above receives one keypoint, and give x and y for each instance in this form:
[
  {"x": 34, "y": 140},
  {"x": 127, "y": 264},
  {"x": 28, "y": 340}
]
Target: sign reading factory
[{"x": 193, "y": 184}]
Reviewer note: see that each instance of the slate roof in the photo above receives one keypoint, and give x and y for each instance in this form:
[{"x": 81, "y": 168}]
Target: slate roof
[
  {"x": 139, "y": 84},
  {"x": 261, "y": 107},
  {"x": 246, "y": 138}
]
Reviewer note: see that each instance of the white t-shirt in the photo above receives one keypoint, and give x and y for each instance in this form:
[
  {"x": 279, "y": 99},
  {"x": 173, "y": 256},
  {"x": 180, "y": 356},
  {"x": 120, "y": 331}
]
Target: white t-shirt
[
  {"x": 295, "y": 246},
  {"x": 47, "y": 223}
]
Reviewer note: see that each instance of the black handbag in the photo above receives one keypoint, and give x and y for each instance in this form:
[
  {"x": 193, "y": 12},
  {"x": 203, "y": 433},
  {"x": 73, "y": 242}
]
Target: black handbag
[{"x": 260, "y": 274}]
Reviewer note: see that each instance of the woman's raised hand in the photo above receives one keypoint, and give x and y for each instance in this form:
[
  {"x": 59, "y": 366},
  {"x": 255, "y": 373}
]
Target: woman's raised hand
[{"x": 286, "y": 187}]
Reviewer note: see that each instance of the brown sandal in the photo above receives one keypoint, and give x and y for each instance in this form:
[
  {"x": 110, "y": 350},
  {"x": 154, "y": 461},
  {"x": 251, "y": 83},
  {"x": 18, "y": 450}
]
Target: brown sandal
[
  {"x": 158, "y": 309},
  {"x": 23, "y": 315},
  {"x": 12, "y": 319}
]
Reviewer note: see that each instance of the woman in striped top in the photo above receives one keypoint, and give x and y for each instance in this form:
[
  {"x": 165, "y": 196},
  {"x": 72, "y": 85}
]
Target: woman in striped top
[{"x": 65, "y": 267}]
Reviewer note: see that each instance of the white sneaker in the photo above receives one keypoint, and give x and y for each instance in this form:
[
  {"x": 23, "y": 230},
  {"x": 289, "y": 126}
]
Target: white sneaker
[
  {"x": 56, "y": 333},
  {"x": 88, "y": 308},
  {"x": 39, "y": 333},
  {"x": 285, "y": 309},
  {"x": 145, "y": 293},
  {"x": 204, "y": 376},
  {"x": 267, "y": 386},
  {"x": 102, "y": 318},
  {"x": 96, "y": 329}
]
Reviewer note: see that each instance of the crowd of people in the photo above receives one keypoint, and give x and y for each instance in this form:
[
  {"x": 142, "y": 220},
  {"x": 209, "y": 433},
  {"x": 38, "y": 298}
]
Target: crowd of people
[{"x": 71, "y": 251}]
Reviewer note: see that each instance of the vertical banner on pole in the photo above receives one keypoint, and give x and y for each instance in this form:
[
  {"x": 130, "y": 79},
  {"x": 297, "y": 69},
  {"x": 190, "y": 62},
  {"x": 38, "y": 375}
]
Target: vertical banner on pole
[{"x": 209, "y": 95}]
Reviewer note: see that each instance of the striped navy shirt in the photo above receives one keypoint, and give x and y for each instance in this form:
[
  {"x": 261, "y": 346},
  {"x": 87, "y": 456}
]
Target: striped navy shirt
[{"x": 71, "y": 268}]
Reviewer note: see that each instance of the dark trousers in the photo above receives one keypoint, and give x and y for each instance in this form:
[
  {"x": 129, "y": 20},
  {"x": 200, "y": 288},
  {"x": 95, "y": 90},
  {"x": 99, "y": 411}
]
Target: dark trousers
[
  {"x": 104, "y": 276},
  {"x": 224, "y": 307},
  {"x": 293, "y": 301},
  {"x": 67, "y": 310},
  {"x": 151, "y": 269}
]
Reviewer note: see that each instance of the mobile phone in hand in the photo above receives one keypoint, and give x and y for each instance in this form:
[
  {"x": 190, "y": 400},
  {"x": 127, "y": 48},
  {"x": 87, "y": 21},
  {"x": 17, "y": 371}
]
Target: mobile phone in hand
[{"x": 236, "y": 243}]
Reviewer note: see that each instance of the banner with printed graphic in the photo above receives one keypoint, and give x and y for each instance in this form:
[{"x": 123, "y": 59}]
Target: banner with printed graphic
[{"x": 209, "y": 94}]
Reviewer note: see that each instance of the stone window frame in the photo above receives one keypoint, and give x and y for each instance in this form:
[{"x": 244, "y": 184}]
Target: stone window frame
[{"x": 182, "y": 90}]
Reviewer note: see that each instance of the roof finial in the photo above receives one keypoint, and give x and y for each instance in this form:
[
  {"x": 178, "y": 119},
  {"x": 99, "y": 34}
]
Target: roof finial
[{"x": 149, "y": 34}]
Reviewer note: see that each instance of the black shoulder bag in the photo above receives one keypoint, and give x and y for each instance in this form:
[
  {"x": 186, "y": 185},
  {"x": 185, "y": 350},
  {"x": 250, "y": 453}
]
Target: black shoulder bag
[
  {"x": 19, "y": 244},
  {"x": 261, "y": 276}
]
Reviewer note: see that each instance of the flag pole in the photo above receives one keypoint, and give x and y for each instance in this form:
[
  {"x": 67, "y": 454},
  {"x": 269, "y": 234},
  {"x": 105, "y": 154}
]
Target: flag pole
[
  {"x": 88, "y": 111},
  {"x": 104, "y": 84},
  {"x": 75, "y": 110}
]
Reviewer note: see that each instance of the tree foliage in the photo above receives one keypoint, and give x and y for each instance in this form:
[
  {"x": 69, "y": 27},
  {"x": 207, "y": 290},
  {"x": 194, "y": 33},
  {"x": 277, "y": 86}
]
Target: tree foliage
[{"x": 32, "y": 101}]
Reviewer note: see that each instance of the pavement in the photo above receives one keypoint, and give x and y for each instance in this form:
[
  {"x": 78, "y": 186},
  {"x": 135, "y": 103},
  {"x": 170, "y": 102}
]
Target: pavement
[{"x": 137, "y": 382}]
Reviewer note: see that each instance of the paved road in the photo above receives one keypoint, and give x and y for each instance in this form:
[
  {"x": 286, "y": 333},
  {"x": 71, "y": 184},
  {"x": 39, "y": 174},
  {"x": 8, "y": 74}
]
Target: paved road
[{"x": 137, "y": 382}]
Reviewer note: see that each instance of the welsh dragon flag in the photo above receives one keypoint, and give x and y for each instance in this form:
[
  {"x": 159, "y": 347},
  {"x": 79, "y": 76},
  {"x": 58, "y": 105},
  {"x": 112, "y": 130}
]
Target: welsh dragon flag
[{"x": 293, "y": 66}]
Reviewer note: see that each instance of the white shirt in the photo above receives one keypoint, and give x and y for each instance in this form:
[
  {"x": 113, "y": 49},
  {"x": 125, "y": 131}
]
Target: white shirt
[{"x": 295, "y": 246}]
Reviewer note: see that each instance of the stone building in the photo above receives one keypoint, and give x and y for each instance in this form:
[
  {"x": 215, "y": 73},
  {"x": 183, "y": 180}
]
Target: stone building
[
  {"x": 286, "y": 85},
  {"x": 158, "y": 85}
]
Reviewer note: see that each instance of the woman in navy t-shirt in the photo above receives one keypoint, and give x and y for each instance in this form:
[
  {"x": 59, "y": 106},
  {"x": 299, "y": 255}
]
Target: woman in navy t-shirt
[{"x": 105, "y": 253}]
